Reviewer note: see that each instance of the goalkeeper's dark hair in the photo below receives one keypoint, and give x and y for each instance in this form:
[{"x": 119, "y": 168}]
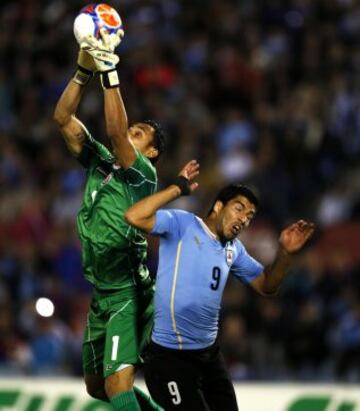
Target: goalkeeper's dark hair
[
  {"x": 158, "y": 138},
  {"x": 233, "y": 190}
]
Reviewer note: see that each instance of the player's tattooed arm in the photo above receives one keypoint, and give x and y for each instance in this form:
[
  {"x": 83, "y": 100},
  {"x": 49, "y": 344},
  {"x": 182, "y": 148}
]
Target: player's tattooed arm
[
  {"x": 117, "y": 128},
  {"x": 73, "y": 131}
]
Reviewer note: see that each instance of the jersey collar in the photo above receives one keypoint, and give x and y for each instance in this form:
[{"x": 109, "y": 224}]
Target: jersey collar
[
  {"x": 212, "y": 235},
  {"x": 207, "y": 229}
]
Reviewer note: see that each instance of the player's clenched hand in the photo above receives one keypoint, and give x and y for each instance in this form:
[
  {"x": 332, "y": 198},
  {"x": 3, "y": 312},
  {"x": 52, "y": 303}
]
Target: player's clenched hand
[
  {"x": 294, "y": 237},
  {"x": 190, "y": 171}
]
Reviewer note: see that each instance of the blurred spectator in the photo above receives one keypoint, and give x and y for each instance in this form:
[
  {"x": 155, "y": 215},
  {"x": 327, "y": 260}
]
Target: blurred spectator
[
  {"x": 305, "y": 347},
  {"x": 346, "y": 343},
  {"x": 236, "y": 347},
  {"x": 47, "y": 345}
]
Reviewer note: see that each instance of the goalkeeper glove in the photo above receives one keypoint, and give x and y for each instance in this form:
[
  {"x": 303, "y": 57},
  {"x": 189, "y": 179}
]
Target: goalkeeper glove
[
  {"x": 111, "y": 41},
  {"x": 86, "y": 68},
  {"x": 86, "y": 61},
  {"x": 98, "y": 55},
  {"x": 105, "y": 60}
]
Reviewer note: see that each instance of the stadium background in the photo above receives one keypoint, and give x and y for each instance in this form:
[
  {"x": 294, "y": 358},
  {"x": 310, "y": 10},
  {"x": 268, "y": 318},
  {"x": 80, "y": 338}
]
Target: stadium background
[{"x": 261, "y": 92}]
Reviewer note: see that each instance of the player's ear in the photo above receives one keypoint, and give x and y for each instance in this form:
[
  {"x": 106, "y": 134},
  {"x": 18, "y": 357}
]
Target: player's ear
[
  {"x": 218, "y": 206},
  {"x": 152, "y": 152}
]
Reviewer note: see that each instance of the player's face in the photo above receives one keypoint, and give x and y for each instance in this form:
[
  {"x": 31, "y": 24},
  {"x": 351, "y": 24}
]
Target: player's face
[
  {"x": 142, "y": 136},
  {"x": 234, "y": 217}
]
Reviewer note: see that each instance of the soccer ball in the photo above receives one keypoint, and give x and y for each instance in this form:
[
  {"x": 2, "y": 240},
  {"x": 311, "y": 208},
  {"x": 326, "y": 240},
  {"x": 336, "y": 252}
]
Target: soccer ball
[{"x": 94, "y": 17}]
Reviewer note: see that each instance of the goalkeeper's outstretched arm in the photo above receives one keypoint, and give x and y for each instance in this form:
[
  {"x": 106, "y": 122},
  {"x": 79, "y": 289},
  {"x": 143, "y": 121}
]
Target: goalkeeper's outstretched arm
[
  {"x": 72, "y": 129},
  {"x": 117, "y": 127},
  {"x": 115, "y": 112}
]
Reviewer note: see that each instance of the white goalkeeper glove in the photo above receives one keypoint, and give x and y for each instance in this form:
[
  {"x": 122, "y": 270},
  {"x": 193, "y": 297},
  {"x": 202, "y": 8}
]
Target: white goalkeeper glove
[
  {"x": 102, "y": 54},
  {"x": 111, "y": 41},
  {"x": 85, "y": 69},
  {"x": 86, "y": 63},
  {"x": 104, "y": 57},
  {"x": 103, "y": 50},
  {"x": 98, "y": 56}
]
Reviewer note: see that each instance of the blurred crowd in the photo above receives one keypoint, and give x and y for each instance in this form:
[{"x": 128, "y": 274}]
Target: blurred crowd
[{"x": 262, "y": 92}]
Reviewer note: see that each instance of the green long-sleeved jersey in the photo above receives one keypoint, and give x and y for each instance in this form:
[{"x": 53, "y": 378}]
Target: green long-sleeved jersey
[{"x": 113, "y": 253}]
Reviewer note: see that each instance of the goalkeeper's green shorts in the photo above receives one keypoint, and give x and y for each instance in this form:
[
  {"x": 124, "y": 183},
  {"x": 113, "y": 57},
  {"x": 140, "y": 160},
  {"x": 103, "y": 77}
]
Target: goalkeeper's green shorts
[{"x": 117, "y": 331}]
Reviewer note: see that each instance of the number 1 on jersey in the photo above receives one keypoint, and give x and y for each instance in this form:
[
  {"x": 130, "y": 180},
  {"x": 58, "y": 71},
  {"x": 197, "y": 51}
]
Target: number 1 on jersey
[{"x": 115, "y": 346}]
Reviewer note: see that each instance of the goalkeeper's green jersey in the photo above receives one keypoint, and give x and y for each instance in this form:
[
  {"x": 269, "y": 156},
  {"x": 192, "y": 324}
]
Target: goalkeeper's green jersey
[{"x": 113, "y": 252}]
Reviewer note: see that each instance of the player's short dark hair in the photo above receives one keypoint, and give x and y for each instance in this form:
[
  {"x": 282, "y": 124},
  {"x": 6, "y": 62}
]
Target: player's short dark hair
[
  {"x": 158, "y": 138},
  {"x": 233, "y": 190}
]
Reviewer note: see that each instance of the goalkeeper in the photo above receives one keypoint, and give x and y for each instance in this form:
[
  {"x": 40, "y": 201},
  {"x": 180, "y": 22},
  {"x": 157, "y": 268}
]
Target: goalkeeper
[{"x": 113, "y": 253}]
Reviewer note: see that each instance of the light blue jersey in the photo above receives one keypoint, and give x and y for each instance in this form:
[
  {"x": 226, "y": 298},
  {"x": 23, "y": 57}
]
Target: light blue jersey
[{"x": 192, "y": 273}]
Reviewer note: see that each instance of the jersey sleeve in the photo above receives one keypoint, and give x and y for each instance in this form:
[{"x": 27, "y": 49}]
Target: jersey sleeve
[
  {"x": 245, "y": 267},
  {"x": 169, "y": 223},
  {"x": 92, "y": 152},
  {"x": 141, "y": 174}
]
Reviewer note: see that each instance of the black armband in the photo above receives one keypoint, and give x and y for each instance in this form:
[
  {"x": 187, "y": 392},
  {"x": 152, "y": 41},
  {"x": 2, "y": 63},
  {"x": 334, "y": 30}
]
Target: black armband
[
  {"x": 183, "y": 183},
  {"x": 82, "y": 76},
  {"x": 110, "y": 79}
]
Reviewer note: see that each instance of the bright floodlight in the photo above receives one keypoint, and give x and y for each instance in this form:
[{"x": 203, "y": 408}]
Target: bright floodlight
[{"x": 44, "y": 307}]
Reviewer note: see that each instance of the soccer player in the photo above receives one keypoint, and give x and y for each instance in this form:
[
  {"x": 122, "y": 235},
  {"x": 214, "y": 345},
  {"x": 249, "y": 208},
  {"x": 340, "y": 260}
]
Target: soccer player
[
  {"x": 184, "y": 369},
  {"x": 113, "y": 253}
]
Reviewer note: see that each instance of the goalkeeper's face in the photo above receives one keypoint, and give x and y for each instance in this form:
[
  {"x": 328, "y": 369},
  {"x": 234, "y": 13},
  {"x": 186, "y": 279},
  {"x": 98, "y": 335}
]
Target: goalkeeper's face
[{"x": 142, "y": 136}]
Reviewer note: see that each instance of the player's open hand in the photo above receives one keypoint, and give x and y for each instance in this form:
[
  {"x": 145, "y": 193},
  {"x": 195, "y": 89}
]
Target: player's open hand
[
  {"x": 294, "y": 237},
  {"x": 111, "y": 41},
  {"x": 190, "y": 171}
]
